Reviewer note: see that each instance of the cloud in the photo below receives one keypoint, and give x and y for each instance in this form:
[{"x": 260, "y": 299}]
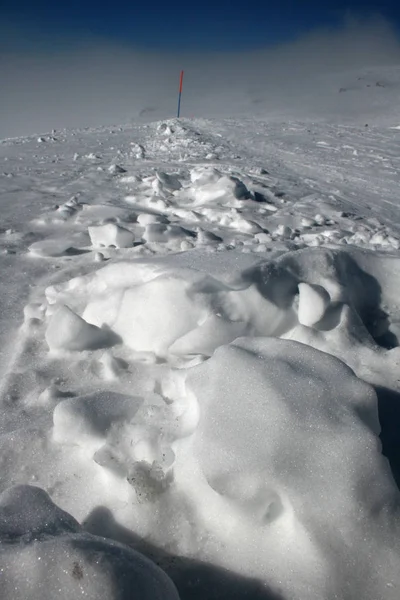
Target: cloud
[{"x": 52, "y": 82}]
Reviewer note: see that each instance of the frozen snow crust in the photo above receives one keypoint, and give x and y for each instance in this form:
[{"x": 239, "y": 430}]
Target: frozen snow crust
[{"x": 201, "y": 376}]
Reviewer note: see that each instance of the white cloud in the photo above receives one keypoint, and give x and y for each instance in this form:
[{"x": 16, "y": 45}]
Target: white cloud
[{"x": 54, "y": 85}]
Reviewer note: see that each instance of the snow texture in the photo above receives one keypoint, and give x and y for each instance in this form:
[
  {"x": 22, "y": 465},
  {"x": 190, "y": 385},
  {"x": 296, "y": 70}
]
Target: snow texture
[
  {"x": 199, "y": 353},
  {"x": 60, "y": 560}
]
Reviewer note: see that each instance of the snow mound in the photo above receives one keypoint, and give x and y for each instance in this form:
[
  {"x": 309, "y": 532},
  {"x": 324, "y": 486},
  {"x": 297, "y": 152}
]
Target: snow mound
[
  {"x": 210, "y": 186},
  {"x": 60, "y": 560},
  {"x": 165, "y": 310},
  {"x": 51, "y": 248},
  {"x": 68, "y": 331},
  {"x": 27, "y": 512},
  {"x": 167, "y": 409},
  {"x": 160, "y": 233},
  {"x": 286, "y": 449},
  {"x": 110, "y": 234},
  {"x": 177, "y": 310},
  {"x": 149, "y": 219}
]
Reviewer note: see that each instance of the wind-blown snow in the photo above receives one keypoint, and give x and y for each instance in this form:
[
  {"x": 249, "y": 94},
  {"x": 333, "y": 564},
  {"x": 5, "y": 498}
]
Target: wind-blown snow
[{"x": 200, "y": 332}]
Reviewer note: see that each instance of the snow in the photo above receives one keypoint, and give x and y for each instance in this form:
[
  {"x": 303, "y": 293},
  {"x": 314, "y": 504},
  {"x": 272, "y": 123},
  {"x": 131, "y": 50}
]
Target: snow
[
  {"x": 199, "y": 353},
  {"x": 313, "y": 302},
  {"x": 276, "y": 495},
  {"x": 110, "y": 235},
  {"x": 68, "y": 331},
  {"x": 60, "y": 560}
]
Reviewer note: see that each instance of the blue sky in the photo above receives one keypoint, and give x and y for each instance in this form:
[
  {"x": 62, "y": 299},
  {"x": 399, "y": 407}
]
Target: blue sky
[
  {"x": 178, "y": 26},
  {"x": 81, "y": 63}
]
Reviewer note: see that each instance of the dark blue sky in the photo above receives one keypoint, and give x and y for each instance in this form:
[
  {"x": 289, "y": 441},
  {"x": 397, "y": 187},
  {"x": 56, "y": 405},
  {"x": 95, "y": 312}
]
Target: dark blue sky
[{"x": 178, "y": 25}]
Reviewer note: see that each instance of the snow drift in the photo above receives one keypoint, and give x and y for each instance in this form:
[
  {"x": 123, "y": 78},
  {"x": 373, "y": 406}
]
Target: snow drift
[{"x": 207, "y": 366}]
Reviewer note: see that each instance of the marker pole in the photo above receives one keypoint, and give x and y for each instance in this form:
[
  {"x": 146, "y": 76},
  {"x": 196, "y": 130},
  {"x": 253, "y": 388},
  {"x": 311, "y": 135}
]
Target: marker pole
[{"x": 180, "y": 94}]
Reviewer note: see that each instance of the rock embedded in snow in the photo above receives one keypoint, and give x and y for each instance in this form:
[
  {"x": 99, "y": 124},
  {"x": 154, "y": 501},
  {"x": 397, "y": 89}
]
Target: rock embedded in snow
[
  {"x": 313, "y": 302},
  {"x": 67, "y": 331},
  {"x": 59, "y": 557},
  {"x": 111, "y": 234}
]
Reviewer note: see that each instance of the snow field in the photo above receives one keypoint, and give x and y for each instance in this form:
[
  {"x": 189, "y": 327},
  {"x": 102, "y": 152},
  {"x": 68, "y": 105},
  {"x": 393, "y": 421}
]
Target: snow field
[{"x": 203, "y": 353}]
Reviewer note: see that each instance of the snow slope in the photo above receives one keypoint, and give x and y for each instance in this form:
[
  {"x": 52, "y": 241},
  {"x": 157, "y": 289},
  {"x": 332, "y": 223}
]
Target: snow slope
[{"x": 199, "y": 361}]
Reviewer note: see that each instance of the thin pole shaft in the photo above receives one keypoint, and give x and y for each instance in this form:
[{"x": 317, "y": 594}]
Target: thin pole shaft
[{"x": 180, "y": 94}]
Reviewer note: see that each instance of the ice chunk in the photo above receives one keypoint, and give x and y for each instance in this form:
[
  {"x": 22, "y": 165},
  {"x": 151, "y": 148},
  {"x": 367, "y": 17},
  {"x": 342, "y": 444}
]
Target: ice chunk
[
  {"x": 68, "y": 331},
  {"x": 204, "y": 175},
  {"x": 313, "y": 301},
  {"x": 111, "y": 235},
  {"x": 222, "y": 190},
  {"x": 150, "y": 218}
]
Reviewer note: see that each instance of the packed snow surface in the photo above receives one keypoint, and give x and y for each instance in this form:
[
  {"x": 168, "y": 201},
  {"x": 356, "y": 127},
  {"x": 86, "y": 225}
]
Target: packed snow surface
[{"x": 199, "y": 343}]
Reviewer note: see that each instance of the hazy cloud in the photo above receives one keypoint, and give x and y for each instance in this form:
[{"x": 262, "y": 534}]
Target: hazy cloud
[{"x": 48, "y": 82}]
